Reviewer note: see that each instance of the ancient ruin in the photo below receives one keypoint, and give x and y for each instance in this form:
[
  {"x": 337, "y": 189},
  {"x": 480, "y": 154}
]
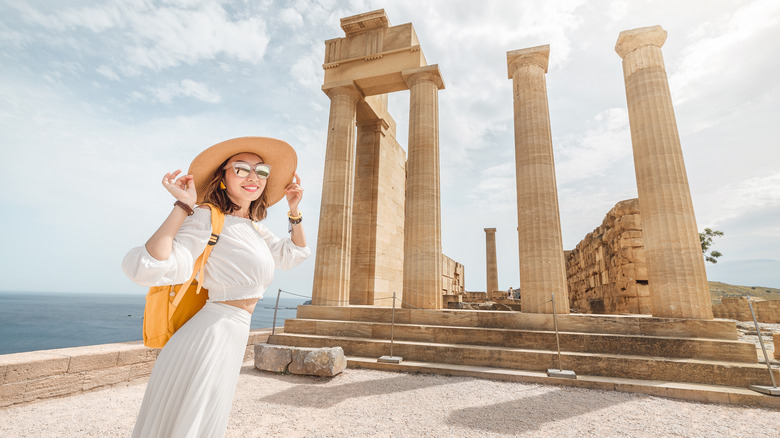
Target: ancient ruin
[
  {"x": 542, "y": 270},
  {"x": 675, "y": 267},
  {"x": 606, "y": 272},
  {"x": 653, "y": 265},
  {"x": 491, "y": 260},
  {"x": 363, "y": 264}
]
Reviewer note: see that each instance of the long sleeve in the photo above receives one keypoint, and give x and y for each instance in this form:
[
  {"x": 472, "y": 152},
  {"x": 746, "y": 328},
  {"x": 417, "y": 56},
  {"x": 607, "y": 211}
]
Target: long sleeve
[
  {"x": 188, "y": 244},
  {"x": 285, "y": 252}
]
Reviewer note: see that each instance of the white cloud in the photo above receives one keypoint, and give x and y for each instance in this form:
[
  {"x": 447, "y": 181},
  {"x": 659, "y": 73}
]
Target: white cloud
[
  {"x": 291, "y": 17},
  {"x": 593, "y": 153},
  {"x": 145, "y": 37}
]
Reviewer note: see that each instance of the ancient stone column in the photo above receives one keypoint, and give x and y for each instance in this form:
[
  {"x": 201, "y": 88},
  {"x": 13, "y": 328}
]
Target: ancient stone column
[
  {"x": 492, "y": 262},
  {"x": 675, "y": 266},
  {"x": 331, "y": 269},
  {"x": 422, "y": 233},
  {"x": 542, "y": 268}
]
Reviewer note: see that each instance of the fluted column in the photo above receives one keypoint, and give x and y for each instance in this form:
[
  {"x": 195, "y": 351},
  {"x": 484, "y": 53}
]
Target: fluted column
[
  {"x": 492, "y": 262},
  {"x": 422, "y": 229},
  {"x": 331, "y": 269},
  {"x": 542, "y": 268},
  {"x": 675, "y": 267}
]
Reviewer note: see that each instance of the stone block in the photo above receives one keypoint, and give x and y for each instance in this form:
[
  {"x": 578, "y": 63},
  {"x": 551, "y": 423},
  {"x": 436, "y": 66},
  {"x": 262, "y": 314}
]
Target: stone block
[
  {"x": 104, "y": 377},
  {"x": 141, "y": 370},
  {"x": 53, "y": 386},
  {"x": 324, "y": 362},
  {"x": 776, "y": 342},
  {"x": 273, "y": 358},
  {"x": 92, "y": 359},
  {"x": 12, "y": 393},
  {"x": 139, "y": 354},
  {"x": 32, "y": 365}
]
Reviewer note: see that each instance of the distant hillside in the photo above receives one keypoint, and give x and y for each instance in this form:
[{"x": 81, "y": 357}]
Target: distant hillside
[{"x": 719, "y": 290}]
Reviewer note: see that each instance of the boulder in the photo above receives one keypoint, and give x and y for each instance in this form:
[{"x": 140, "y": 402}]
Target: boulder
[
  {"x": 273, "y": 358},
  {"x": 318, "y": 361},
  {"x": 300, "y": 360}
]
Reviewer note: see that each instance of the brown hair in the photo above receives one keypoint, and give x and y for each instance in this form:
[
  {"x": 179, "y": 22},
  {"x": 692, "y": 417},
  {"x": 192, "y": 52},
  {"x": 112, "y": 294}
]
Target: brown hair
[{"x": 219, "y": 197}]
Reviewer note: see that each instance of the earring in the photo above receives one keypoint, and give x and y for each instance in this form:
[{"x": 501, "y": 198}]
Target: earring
[{"x": 222, "y": 185}]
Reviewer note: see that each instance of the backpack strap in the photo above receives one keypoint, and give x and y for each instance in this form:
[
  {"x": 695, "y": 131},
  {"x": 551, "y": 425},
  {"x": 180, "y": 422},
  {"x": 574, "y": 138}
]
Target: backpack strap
[{"x": 217, "y": 222}]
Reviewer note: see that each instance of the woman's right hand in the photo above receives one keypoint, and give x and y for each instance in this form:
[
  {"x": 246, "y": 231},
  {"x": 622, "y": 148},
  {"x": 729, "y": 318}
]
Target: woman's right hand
[{"x": 182, "y": 188}]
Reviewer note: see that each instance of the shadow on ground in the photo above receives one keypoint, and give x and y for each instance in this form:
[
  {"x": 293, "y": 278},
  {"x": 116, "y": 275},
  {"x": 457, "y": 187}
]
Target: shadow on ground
[
  {"x": 530, "y": 411},
  {"x": 324, "y": 397}
]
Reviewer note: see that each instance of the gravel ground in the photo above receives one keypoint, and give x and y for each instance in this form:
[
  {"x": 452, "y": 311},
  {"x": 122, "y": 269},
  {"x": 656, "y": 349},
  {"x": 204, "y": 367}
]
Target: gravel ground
[{"x": 360, "y": 403}]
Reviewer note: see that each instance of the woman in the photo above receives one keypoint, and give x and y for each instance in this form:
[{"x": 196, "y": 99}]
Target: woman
[{"x": 190, "y": 391}]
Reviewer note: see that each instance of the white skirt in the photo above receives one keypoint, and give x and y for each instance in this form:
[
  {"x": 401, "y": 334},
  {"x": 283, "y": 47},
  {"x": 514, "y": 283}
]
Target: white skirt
[{"x": 190, "y": 391}]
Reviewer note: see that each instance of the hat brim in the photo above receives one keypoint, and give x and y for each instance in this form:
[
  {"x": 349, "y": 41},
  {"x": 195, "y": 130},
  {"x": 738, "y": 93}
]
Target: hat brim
[{"x": 277, "y": 153}]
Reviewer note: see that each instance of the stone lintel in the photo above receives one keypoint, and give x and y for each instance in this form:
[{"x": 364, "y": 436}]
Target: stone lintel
[
  {"x": 538, "y": 56},
  {"x": 363, "y": 22},
  {"x": 348, "y": 87},
  {"x": 630, "y": 40},
  {"x": 490, "y": 230},
  {"x": 430, "y": 73}
]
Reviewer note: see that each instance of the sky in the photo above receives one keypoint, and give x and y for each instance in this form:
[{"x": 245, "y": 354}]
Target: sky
[{"x": 98, "y": 100}]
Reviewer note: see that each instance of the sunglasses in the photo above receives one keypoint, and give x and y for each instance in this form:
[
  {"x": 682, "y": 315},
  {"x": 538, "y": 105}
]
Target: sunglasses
[{"x": 243, "y": 169}]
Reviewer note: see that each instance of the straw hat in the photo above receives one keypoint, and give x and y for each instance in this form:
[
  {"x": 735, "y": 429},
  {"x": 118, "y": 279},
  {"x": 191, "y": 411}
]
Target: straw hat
[{"x": 278, "y": 154}]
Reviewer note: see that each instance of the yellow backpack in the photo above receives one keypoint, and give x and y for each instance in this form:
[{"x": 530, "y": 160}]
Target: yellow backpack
[{"x": 169, "y": 307}]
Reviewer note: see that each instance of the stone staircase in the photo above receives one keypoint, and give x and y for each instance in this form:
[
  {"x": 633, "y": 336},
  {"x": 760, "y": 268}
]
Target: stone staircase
[{"x": 634, "y": 347}]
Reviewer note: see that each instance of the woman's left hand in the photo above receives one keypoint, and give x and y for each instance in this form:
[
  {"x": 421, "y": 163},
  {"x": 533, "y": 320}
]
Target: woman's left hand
[{"x": 294, "y": 193}]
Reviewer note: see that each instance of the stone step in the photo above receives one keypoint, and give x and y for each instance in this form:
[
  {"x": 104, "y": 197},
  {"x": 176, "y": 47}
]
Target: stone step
[
  {"x": 721, "y": 350},
  {"x": 641, "y": 325},
  {"x": 697, "y": 392},
  {"x": 596, "y": 364}
]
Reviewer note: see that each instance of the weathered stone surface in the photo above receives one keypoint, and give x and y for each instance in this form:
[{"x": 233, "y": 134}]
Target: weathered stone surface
[
  {"x": 33, "y": 364},
  {"x": 273, "y": 358},
  {"x": 738, "y": 308},
  {"x": 606, "y": 273},
  {"x": 108, "y": 376},
  {"x": 676, "y": 275},
  {"x": 53, "y": 386},
  {"x": 318, "y": 361},
  {"x": 137, "y": 354},
  {"x": 542, "y": 269},
  {"x": 12, "y": 393},
  {"x": 776, "y": 343}
]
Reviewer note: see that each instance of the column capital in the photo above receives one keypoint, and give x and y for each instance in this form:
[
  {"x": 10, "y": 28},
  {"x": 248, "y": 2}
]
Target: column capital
[
  {"x": 343, "y": 88},
  {"x": 537, "y": 56},
  {"x": 490, "y": 230},
  {"x": 630, "y": 40},
  {"x": 428, "y": 73}
]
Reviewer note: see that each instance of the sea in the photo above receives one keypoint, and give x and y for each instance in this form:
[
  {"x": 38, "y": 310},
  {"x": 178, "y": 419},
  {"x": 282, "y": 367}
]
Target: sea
[{"x": 31, "y": 321}]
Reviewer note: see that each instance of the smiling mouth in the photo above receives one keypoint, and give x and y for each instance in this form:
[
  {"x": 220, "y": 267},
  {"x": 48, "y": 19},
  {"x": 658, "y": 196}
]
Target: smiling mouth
[{"x": 251, "y": 188}]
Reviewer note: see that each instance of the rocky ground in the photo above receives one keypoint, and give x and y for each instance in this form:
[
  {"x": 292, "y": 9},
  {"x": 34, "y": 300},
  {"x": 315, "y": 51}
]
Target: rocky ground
[
  {"x": 747, "y": 332},
  {"x": 361, "y": 403}
]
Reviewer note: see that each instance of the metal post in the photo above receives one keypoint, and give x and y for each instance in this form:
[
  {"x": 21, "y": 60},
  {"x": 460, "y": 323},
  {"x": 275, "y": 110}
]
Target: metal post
[
  {"x": 774, "y": 390},
  {"x": 568, "y": 374},
  {"x": 273, "y": 327},
  {"x": 555, "y": 325},
  {"x": 391, "y": 358}
]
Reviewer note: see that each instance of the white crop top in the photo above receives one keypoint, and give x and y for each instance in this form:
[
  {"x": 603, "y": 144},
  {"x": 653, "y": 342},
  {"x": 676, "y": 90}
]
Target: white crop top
[{"x": 240, "y": 266}]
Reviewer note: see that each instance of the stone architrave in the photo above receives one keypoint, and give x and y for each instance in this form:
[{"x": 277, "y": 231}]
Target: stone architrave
[
  {"x": 491, "y": 260},
  {"x": 675, "y": 266},
  {"x": 422, "y": 225},
  {"x": 542, "y": 268},
  {"x": 331, "y": 270}
]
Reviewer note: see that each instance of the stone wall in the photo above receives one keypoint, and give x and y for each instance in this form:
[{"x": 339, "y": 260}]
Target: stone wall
[
  {"x": 738, "y": 308},
  {"x": 35, "y": 375},
  {"x": 453, "y": 276},
  {"x": 606, "y": 271}
]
